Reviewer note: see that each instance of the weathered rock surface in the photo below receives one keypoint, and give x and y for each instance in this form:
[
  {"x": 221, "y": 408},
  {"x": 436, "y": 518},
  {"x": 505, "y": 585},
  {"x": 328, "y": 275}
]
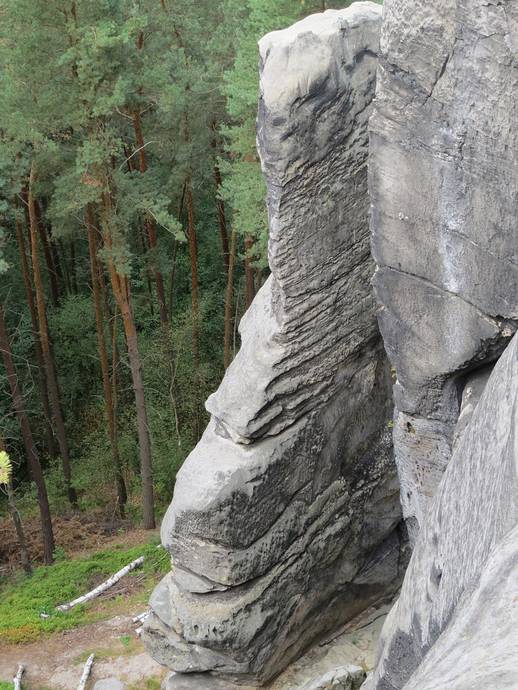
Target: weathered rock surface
[
  {"x": 442, "y": 177},
  {"x": 285, "y": 521},
  {"x": 341, "y": 678},
  {"x": 455, "y": 624}
]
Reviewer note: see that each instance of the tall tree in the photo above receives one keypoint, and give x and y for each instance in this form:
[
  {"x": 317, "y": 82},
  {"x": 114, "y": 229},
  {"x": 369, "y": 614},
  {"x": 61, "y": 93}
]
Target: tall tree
[
  {"x": 29, "y": 295},
  {"x": 122, "y": 293},
  {"x": 229, "y": 301},
  {"x": 28, "y": 440},
  {"x": 149, "y": 221},
  {"x": 44, "y": 337},
  {"x": 103, "y": 358},
  {"x": 6, "y": 478}
]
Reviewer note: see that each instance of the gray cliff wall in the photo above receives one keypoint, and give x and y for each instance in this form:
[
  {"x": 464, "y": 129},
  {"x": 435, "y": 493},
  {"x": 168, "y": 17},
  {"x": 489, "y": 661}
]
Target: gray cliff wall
[
  {"x": 455, "y": 624},
  {"x": 443, "y": 180},
  {"x": 285, "y": 520}
]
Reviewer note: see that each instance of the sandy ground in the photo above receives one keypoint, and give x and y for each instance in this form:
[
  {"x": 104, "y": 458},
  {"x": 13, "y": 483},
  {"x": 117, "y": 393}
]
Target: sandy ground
[{"x": 56, "y": 663}]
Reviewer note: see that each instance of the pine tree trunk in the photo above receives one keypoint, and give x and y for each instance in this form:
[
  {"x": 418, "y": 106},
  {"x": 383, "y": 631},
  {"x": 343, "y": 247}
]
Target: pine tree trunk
[
  {"x": 195, "y": 306},
  {"x": 249, "y": 272},
  {"x": 121, "y": 291},
  {"x": 115, "y": 363},
  {"x": 25, "y": 559},
  {"x": 73, "y": 271},
  {"x": 51, "y": 446},
  {"x": 193, "y": 255},
  {"x": 149, "y": 222},
  {"x": 220, "y": 205},
  {"x": 144, "y": 248},
  {"x": 49, "y": 255},
  {"x": 227, "y": 357},
  {"x": 28, "y": 441},
  {"x": 65, "y": 273},
  {"x": 52, "y": 382},
  {"x": 103, "y": 358},
  {"x": 172, "y": 277}
]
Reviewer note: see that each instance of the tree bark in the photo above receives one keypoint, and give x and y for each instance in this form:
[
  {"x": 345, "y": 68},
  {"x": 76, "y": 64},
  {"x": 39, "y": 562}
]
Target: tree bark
[
  {"x": 149, "y": 222},
  {"x": 103, "y": 586},
  {"x": 49, "y": 253},
  {"x": 172, "y": 277},
  {"x": 144, "y": 248},
  {"x": 42, "y": 383},
  {"x": 52, "y": 382},
  {"x": 73, "y": 271},
  {"x": 103, "y": 357},
  {"x": 28, "y": 441},
  {"x": 121, "y": 291},
  {"x": 25, "y": 559},
  {"x": 18, "y": 526},
  {"x": 227, "y": 357},
  {"x": 249, "y": 272},
  {"x": 222, "y": 221},
  {"x": 195, "y": 304},
  {"x": 86, "y": 672},
  {"x": 17, "y": 680},
  {"x": 193, "y": 255}
]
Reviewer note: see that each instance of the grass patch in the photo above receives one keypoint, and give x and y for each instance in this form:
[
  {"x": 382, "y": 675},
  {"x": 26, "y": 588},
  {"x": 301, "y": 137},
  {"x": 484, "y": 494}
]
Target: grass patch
[
  {"x": 22, "y": 602},
  {"x": 125, "y": 645},
  {"x": 149, "y": 684}
]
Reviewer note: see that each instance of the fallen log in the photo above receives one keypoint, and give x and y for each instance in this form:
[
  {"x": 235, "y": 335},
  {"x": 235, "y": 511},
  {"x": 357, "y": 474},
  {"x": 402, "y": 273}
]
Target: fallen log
[
  {"x": 141, "y": 617},
  {"x": 86, "y": 672},
  {"x": 17, "y": 680},
  {"x": 102, "y": 587}
]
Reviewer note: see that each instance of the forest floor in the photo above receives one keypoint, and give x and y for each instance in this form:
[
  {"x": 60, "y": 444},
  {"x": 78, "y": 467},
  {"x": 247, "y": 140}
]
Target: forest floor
[
  {"x": 56, "y": 662},
  {"x": 55, "y": 649}
]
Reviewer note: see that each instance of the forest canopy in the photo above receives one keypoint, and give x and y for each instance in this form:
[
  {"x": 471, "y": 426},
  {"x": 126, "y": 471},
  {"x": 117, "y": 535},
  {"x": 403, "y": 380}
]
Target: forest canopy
[{"x": 132, "y": 238}]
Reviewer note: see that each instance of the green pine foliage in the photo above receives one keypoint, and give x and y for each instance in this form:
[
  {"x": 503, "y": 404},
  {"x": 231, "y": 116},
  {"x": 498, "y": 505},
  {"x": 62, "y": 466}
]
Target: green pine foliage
[
  {"x": 244, "y": 185},
  {"x": 73, "y": 74}
]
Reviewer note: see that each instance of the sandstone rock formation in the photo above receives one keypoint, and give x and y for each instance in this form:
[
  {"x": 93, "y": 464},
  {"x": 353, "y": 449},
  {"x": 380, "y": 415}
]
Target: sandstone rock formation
[
  {"x": 455, "y": 624},
  {"x": 442, "y": 179},
  {"x": 342, "y": 678},
  {"x": 285, "y": 520},
  {"x": 444, "y": 152}
]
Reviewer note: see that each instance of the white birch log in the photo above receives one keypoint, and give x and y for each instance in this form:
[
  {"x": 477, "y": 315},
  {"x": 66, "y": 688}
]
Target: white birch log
[
  {"x": 17, "y": 680},
  {"x": 102, "y": 587},
  {"x": 86, "y": 672},
  {"x": 141, "y": 617}
]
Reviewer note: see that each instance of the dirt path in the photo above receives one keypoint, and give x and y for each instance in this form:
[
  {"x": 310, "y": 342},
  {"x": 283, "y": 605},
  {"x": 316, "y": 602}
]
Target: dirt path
[{"x": 56, "y": 662}]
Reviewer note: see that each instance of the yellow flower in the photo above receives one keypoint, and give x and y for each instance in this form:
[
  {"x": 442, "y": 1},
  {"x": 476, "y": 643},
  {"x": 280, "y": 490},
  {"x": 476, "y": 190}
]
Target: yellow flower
[{"x": 5, "y": 467}]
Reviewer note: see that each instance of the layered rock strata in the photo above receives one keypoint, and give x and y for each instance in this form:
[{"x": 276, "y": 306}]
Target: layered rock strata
[
  {"x": 455, "y": 624},
  {"x": 285, "y": 520},
  {"x": 443, "y": 174}
]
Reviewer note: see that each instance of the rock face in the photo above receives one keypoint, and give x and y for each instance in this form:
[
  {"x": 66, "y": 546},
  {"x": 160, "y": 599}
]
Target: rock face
[
  {"x": 285, "y": 520},
  {"x": 455, "y": 624},
  {"x": 342, "y": 678},
  {"x": 442, "y": 178}
]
